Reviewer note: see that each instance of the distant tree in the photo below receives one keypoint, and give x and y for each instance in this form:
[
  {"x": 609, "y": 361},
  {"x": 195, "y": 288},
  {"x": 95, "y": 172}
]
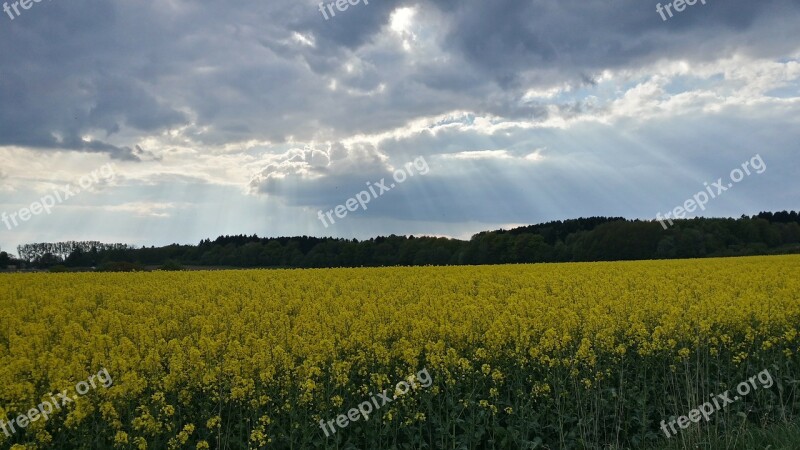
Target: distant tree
[
  {"x": 666, "y": 248},
  {"x": 5, "y": 260},
  {"x": 171, "y": 265}
]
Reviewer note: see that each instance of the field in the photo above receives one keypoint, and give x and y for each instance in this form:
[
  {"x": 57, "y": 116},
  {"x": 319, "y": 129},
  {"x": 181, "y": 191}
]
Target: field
[{"x": 585, "y": 355}]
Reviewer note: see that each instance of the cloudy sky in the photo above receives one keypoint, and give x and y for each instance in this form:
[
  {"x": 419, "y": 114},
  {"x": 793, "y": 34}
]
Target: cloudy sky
[{"x": 232, "y": 117}]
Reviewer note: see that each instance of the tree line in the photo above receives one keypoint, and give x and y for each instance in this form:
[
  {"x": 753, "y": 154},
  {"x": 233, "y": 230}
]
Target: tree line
[
  {"x": 55, "y": 253},
  {"x": 584, "y": 239}
]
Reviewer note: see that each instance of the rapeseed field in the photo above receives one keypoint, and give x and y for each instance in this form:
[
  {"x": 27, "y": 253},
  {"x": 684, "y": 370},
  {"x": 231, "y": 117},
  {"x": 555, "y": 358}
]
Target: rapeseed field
[{"x": 584, "y": 355}]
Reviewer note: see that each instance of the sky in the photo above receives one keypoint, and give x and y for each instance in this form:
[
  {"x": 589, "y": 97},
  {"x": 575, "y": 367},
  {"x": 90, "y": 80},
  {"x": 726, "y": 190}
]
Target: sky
[{"x": 150, "y": 123}]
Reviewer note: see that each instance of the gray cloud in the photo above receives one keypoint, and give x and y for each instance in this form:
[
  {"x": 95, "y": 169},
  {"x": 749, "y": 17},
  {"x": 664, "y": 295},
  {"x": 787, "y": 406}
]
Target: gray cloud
[{"x": 88, "y": 66}]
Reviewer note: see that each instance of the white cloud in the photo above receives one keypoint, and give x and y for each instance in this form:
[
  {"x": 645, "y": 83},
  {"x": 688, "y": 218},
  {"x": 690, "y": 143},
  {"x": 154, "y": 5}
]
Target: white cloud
[
  {"x": 146, "y": 209},
  {"x": 479, "y": 154}
]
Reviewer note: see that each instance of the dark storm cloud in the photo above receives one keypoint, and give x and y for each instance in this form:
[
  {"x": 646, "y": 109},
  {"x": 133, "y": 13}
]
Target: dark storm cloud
[
  {"x": 63, "y": 76},
  {"x": 577, "y": 37},
  {"x": 233, "y": 71}
]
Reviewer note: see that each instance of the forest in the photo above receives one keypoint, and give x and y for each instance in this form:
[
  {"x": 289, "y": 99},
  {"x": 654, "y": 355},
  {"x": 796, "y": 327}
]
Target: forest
[{"x": 584, "y": 239}]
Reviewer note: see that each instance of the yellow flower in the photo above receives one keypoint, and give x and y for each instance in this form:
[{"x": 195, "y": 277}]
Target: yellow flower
[
  {"x": 121, "y": 437},
  {"x": 214, "y": 422}
]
